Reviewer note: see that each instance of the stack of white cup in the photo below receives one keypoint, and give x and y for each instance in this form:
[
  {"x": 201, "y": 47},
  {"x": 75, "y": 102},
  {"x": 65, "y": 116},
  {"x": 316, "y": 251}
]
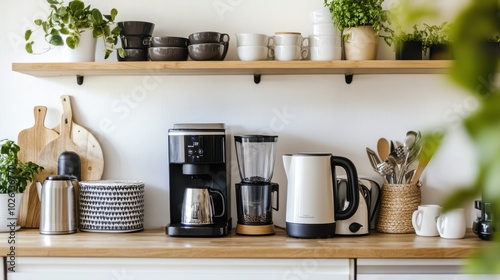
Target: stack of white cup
[
  {"x": 324, "y": 41},
  {"x": 253, "y": 46}
]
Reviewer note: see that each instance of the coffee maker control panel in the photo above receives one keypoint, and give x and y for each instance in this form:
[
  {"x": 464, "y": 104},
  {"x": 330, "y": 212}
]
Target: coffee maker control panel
[
  {"x": 204, "y": 147},
  {"x": 194, "y": 149}
]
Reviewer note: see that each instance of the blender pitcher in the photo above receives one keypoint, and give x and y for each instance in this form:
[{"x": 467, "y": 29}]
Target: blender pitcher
[{"x": 254, "y": 199}]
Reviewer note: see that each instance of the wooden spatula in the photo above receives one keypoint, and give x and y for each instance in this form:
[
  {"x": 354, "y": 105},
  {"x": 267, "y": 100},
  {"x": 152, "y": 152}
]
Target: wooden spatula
[{"x": 31, "y": 141}]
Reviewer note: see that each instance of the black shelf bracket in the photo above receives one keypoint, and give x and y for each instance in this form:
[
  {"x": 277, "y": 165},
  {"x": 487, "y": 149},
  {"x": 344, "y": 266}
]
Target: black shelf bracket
[
  {"x": 348, "y": 78},
  {"x": 256, "y": 78},
  {"x": 79, "y": 79}
]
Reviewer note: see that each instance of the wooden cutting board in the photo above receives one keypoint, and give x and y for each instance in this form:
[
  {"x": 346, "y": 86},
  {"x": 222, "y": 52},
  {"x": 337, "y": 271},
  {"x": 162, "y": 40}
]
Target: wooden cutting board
[
  {"x": 50, "y": 153},
  {"x": 90, "y": 150},
  {"x": 31, "y": 141}
]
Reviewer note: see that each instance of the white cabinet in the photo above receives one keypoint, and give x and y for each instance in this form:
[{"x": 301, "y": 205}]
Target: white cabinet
[
  {"x": 162, "y": 268},
  {"x": 414, "y": 269}
]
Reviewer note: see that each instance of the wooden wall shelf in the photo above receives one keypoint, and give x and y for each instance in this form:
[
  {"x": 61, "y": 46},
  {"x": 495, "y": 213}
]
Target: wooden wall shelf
[{"x": 255, "y": 68}]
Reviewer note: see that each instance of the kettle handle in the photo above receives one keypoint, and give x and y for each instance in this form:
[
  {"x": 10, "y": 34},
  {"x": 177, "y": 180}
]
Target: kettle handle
[
  {"x": 352, "y": 186},
  {"x": 210, "y": 190}
]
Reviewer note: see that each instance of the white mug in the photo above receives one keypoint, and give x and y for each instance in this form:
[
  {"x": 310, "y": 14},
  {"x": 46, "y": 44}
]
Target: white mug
[
  {"x": 424, "y": 220},
  {"x": 322, "y": 15},
  {"x": 289, "y": 39},
  {"x": 252, "y": 53},
  {"x": 452, "y": 224},
  {"x": 325, "y": 53},
  {"x": 252, "y": 39},
  {"x": 287, "y": 53},
  {"x": 323, "y": 29},
  {"x": 323, "y": 41}
]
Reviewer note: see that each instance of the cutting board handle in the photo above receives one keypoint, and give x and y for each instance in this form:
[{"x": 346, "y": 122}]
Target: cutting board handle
[{"x": 40, "y": 112}]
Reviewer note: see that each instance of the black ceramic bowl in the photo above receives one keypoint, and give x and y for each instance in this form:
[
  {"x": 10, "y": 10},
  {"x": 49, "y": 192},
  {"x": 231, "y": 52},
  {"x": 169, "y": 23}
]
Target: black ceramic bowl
[
  {"x": 168, "y": 41},
  {"x": 134, "y": 55},
  {"x": 208, "y": 51},
  {"x": 167, "y": 53},
  {"x": 208, "y": 37},
  {"x": 135, "y": 41},
  {"x": 136, "y": 28}
]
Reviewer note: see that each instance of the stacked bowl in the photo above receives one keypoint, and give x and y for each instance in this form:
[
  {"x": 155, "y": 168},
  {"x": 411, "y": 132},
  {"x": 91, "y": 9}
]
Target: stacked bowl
[
  {"x": 324, "y": 41},
  {"x": 168, "y": 48},
  {"x": 208, "y": 45},
  {"x": 135, "y": 37},
  {"x": 253, "y": 46}
]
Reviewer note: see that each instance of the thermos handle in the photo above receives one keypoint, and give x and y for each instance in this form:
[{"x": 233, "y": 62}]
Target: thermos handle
[
  {"x": 351, "y": 189},
  {"x": 223, "y": 206},
  {"x": 275, "y": 188}
]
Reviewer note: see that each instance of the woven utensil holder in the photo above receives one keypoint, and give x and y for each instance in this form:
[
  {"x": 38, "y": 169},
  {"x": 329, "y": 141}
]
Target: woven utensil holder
[{"x": 397, "y": 204}]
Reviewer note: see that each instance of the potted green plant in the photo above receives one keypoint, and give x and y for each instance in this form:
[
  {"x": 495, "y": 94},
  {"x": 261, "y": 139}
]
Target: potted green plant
[
  {"x": 74, "y": 24},
  {"x": 14, "y": 177},
  {"x": 408, "y": 46},
  {"x": 438, "y": 41},
  {"x": 360, "y": 22}
]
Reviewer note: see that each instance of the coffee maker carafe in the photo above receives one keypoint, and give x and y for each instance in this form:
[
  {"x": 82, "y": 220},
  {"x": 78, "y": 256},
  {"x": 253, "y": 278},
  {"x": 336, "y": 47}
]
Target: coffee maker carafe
[
  {"x": 199, "y": 180},
  {"x": 254, "y": 203}
]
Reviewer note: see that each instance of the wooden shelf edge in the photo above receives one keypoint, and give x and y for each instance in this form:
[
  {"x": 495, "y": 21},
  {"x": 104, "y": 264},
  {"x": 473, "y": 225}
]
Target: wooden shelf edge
[{"x": 41, "y": 69}]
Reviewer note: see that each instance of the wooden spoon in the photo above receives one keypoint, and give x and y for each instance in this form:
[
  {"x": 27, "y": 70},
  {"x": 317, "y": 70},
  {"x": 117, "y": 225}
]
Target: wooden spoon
[
  {"x": 420, "y": 168},
  {"x": 383, "y": 148}
]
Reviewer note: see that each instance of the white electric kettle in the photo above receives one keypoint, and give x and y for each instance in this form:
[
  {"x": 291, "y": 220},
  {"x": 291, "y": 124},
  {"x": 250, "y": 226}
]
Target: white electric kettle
[{"x": 311, "y": 211}]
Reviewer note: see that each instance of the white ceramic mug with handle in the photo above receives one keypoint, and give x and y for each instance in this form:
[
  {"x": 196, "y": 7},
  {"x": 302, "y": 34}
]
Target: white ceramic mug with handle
[
  {"x": 424, "y": 220},
  {"x": 452, "y": 224}
]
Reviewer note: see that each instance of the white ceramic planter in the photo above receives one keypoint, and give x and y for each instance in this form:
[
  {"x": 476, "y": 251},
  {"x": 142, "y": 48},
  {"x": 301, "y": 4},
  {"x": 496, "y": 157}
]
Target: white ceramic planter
[
  {"x": 9, "y": 210},
  {"x": 361, "y": 44},
  {"x": 84, "y": 52}
]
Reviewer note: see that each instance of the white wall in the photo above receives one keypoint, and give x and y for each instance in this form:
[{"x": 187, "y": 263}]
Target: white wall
[{"x": 309, "y": 113}]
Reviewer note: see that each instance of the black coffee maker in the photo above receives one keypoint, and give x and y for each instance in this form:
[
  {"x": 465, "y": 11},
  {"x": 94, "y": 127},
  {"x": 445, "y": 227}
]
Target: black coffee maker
[
  {"x": 483, "y": 225},
  {"x": 199, "y": 158}
]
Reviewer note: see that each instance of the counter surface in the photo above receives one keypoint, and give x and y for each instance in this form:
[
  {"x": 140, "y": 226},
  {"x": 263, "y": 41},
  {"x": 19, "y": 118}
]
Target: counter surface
[{"x": 154, "y": 243}]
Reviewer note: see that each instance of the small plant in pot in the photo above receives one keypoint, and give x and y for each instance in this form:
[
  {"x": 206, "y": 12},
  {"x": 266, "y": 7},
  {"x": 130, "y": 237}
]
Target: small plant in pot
[
  {"x": 408, "y": 46},
  {"x": 14, "y": 178},
  {"x": 438, "y": 41},
  {"x": 360, "y": 22},
  {"x": 67, "y": 24}
]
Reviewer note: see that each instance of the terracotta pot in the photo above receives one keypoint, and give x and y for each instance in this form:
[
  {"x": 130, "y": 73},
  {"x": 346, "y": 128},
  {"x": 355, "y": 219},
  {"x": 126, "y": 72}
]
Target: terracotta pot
[{"x": 361, "y": 43}]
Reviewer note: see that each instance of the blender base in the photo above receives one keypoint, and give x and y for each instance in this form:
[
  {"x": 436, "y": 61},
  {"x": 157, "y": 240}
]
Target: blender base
[{"x": 255, "y": 229}]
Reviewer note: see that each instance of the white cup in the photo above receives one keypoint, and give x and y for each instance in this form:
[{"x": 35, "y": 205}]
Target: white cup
[
  {"x": 251, "y": 53},
  {"x": 322, "y": 41},
  {"x": 325, "y": 53},
  {"x": 452, "y": 224},
  {"x": 323, "y": 29},
  {"x": 289, "y": 39},
  {"x": 287, "y": 53},
  {"x": 424, "y": 220},
  {"x": 320, "y": 16},
  {"x": 252, "y": 39}
]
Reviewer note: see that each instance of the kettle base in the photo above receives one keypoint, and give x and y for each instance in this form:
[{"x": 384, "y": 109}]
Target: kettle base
[{"x": 310, "y": 230}]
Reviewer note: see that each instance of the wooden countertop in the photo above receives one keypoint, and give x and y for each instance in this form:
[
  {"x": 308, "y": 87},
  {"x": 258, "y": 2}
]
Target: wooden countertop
[{"x": 154, "y": 243}]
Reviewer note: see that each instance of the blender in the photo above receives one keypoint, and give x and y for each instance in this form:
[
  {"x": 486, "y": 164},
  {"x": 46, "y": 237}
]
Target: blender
[{"x": 254, "y": 200}]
